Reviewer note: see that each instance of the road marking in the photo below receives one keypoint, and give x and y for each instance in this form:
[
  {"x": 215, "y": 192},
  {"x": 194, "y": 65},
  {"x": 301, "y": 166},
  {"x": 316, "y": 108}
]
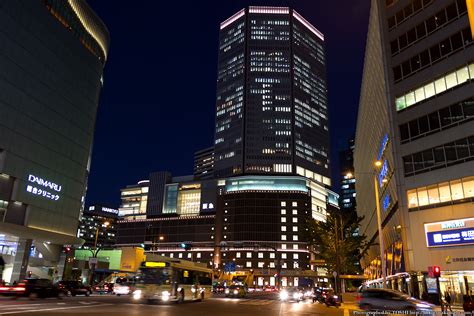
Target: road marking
[
  {"x": 51, "y": 309},
  {"x": 255, "y": 302},
  {"x": 346, "y": 312}
]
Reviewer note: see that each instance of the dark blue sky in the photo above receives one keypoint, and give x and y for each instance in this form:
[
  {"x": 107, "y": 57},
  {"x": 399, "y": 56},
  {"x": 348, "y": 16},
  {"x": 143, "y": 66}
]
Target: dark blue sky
[{"x": 158, "y": 102}]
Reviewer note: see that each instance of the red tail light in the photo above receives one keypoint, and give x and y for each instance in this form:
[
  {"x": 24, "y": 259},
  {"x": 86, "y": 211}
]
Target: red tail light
[
  {"x": 18, "y": 289},
  {"x": 4, "y": 288},
  {"x": 359, "y": 297}
]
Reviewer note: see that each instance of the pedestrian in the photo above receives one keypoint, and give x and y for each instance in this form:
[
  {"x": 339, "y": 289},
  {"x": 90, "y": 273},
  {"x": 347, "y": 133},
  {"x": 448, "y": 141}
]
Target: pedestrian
[
  {"x": 2, "y": 266},
  {"x": 447, "y": 299}
]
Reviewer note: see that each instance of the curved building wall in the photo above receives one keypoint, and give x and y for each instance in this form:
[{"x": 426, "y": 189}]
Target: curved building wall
[{"x": 50, "y": 83}]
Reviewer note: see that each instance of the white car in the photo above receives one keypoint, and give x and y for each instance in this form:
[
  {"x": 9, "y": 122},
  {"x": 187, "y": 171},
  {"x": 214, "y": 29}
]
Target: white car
[{"x": 122, "y": 287}]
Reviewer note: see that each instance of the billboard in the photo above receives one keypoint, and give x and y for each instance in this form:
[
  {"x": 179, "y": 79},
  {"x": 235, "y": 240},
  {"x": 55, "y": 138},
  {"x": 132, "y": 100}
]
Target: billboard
[{"x": 450, "y": 233}]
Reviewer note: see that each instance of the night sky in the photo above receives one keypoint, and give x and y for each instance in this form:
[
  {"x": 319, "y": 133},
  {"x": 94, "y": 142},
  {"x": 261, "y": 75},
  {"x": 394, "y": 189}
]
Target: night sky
[{"x": 158, "y": 102}]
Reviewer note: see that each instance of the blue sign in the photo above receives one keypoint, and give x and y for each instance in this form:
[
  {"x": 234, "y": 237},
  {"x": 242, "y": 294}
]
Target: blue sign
[
  {"x": 383, "y": 146},
  {"x": 229, "y": 267},
  {"x": 452, "y": 237},
  {"x": 386, "y": 202},
  {"x": 383, "y": 172}
]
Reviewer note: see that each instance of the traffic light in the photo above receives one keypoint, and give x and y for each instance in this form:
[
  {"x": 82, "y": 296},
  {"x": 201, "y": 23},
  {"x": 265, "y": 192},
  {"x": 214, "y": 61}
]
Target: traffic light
[
  {"x": 67, "y": 250},
  {"x": 185, "y": 246},
  {"x": 436, "y": 271}
]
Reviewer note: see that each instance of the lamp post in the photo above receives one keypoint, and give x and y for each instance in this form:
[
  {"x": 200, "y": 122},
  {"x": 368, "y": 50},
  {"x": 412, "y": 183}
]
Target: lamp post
[
  {"x": 95, "y": 252},
  {"x": 377, "y": 165}
]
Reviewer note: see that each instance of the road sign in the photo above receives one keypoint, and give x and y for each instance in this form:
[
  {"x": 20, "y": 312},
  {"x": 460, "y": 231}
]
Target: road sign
[
  {"x": 229, "y": 267},
  {"x": 334, "y": 274}
]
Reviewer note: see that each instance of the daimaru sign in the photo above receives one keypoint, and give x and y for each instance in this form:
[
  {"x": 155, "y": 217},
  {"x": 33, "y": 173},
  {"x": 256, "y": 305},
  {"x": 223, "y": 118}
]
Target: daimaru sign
[
  {"x": 42, "y": 187},
  {"x": 450, "y": 233}
]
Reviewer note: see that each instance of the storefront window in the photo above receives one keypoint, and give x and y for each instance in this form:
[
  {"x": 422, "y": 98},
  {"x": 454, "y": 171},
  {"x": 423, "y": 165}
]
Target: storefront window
[
  {"x": 433, "y": 194},
  {"x": 412, "y": 199},
  {"x": 444, "y": 192},
  {"x": 456, "y": 190},
  {"x": 422, "y": 196},
  {"x": 468, "y": 186}
]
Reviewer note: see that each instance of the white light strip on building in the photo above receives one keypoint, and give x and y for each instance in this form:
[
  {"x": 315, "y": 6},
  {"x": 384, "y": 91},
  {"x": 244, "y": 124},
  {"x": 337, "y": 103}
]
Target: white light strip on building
[
  {"x": 269, "y": 10},
  {"x": 308, "y": 25},
  {"x": 90, "y": 27},
  {"x": 233, "y": 18},
  {"x": 167, "y": 219}
]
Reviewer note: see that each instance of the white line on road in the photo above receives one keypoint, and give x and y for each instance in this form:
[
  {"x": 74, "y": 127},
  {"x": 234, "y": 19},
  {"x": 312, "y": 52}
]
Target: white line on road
[{"x": 52, "y": 309}]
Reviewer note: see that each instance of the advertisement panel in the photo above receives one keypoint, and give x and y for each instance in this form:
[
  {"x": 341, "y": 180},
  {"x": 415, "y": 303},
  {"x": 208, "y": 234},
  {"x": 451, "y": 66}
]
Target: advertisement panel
[{"x": 450, "y": 233}]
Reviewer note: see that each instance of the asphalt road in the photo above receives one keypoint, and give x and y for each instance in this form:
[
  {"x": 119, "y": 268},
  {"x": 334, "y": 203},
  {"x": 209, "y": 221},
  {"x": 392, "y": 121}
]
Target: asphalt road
[{"x": 104, "y": 305}]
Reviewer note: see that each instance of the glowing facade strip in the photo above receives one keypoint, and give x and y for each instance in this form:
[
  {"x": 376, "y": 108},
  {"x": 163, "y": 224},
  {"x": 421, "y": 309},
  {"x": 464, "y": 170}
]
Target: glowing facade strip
[
  {"x": 90, "y": 27},
  {"x": 470, "y": 12},
  {"x": 233, "y": 18},
  {"x": 308, "y": 25},
  {"x": 269, "y": 10}
]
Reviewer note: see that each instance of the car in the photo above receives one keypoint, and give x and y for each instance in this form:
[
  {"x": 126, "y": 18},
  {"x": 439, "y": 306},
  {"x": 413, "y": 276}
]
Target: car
[
  {"x": 33, "y": 288},
  {"x": 122, "y": 286},
  {"x": 73, "y": 288},
  {"x": 235, "y": 291},
  {"x": 385, "y": 299},
  {"x": 291, "y": 294},
  {"x": 104, "y": 288},
  {"x": 321, "y": 293},
  {"x": 270, "y": 288}
]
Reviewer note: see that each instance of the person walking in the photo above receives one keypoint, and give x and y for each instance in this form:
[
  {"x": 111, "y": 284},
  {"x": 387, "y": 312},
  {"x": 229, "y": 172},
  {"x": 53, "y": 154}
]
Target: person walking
[
  {"x": 447, "y": 300},
  {"x": 2, "y": 267}
]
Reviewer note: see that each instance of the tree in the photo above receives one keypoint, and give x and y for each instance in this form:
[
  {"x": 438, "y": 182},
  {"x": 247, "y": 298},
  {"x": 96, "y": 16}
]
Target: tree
[{"x": 338, "y": 241}]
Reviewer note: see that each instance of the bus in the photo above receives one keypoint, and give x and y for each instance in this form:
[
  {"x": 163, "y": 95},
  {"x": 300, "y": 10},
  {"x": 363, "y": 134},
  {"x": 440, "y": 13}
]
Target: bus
[{"x": 163, "y": 279}]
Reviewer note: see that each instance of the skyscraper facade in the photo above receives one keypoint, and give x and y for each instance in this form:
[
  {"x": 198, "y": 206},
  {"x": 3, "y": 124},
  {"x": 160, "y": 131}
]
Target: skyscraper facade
[
  {"x": 52, "y": 58},
  {"x": 415, "y": 117},
  {"x": 271, "y": 108}
]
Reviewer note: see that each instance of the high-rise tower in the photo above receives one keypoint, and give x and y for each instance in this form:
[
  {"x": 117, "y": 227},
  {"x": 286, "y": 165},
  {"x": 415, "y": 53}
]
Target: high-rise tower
[{"x": 272, "y": 115}]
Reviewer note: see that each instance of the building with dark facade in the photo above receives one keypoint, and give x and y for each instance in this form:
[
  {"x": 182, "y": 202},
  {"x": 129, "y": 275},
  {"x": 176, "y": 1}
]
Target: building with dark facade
[
  {"x": 347, "y": 202},
  {"x": 271, "y": 107},
  {"x": 415, "y": 117},
  {"x": 98, "y": 223},
  {"x": 52, "y": 59},
  {"x": 204, "y": 163}
]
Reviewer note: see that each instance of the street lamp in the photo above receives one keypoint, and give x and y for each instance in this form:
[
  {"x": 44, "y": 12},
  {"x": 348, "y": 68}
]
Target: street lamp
[{"x": 377, "y": 165}]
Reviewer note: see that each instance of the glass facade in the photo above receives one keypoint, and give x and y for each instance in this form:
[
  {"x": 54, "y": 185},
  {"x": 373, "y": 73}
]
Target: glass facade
[
  {"x": 189, "y": 200},
  {"x": 441, "y": 192},
  {"x": 266, "y": 184},
  {"x": 269, "y": 118}
]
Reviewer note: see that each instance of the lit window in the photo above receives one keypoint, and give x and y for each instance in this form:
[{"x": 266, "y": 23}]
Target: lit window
[
  {"x": 283, "y": 237},
  {"x": 468, "y": 186},
  {"x": 295, "y": 219},
  {"x": 283, "y": 246},
  {"x": 283, "y": 212},
  {"x": 190, "y": 255},
  {"x": 283, "y": 203},
  {"x": 261, "y": 264},
  {"x": 283, "y": 255},
  {"x": 272, "y": 264},
  {"x": 248, "y": 264},
  {"x": 283, "y": 228},
  {"x": 295, "y": 265},
  {"x": 180, "y": 255},
  {"x": 295, "y": 256},
  {"x": 171, "y": 255},
  {"x": 198, "y": 255},
  {"x": 295, "y": 246},
  {"x": 248, "y": 255},
  {"x": 294, "y": 212},
  {"x": 237, "y": 254},
  {"x": 294, "y": 203},
  {"x": 272, "y": 255},
  {"x": 295, "y": 228},
  {"x": 284, "y": 266},
  {"x": 295, "y": 237},
  {"x": 283, "y": 219},
  {"x": 260, "y": 255}
]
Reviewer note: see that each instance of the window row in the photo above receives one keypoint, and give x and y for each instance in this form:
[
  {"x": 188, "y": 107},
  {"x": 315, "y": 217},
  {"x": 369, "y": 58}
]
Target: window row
[
  {"x": 435, "y": 87},
  {"x": 428, "y": 26},
  {"x": 441, "y": 192},
  {"x": 439, "y": 157},
  {"x": 450, "y": 116},
  {"x": 432, "y": 55},
  {"x": 413, "y": 8}
]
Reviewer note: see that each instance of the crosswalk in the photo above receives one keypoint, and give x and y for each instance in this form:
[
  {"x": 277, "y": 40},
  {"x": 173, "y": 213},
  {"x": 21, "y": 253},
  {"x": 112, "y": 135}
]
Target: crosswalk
[{"x": 27, "y": 307}]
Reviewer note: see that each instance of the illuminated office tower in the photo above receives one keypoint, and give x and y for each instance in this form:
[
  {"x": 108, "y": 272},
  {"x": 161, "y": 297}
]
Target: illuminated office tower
[
  {"x": 52, "y": 57},
  {"x": 271, "y": 107}
]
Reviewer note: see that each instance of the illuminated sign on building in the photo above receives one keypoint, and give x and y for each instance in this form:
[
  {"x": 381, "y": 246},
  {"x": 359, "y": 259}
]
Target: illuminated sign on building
[
  {"x": 383, "y": 146},
  {"x": 104, "y": 209},
  {"x": 470, "y": 13},
  {"x": 450, "y": 233},
  {"x": 386, "y": 202},
  {"x": 42, "y": 187},
  {"x": 383, "y": 172}
]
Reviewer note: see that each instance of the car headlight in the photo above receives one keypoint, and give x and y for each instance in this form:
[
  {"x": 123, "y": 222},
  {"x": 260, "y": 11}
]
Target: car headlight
[
  {"x": 422, "y": 305},
  {"x": 165, "y": 295},
  {"x": 226, "y": 291},
  {"x": 137, "y": 294},
  {"x": 335, "y": 296},
  {"x": 236, "y": 292},
  {"x": 283, "y": 295},
  {"x": 193, "y": 290}
]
